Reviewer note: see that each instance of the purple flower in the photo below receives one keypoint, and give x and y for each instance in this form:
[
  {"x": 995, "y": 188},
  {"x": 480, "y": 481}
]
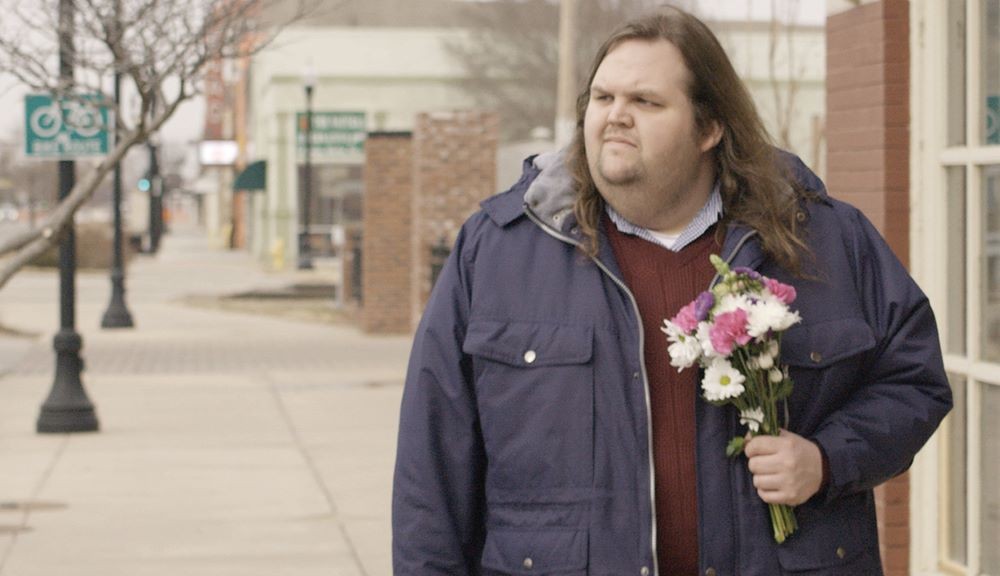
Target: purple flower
[
  {"x": 703, "y": 304},
  {"x": 753, "y": 274}
]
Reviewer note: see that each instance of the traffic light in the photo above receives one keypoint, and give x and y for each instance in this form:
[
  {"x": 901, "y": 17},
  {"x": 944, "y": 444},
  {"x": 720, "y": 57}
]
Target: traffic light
[{"x": 144, "y": 184}]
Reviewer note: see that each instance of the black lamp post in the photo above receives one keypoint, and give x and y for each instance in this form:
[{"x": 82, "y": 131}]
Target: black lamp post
[
  {"x": 155, "y": 197},
  {"x": 117, "y": 314},
  {"x": 305, "y": 249},
  {"x": 67, "y": 408}
]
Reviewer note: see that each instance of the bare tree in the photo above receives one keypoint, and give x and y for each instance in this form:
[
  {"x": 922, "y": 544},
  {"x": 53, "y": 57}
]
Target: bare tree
[
  {"x": 784, "y": 89},
  {"x": 511, "y": 55},
  {"x": 159, "y": 47}
]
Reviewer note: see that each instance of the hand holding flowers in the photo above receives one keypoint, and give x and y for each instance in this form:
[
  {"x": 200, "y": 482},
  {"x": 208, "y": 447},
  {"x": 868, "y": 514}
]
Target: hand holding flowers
[{"x": 734, "y": 333}]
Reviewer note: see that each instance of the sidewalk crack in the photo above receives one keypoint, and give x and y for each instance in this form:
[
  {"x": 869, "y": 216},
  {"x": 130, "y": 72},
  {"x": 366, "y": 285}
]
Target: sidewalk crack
[
  {"x": 314, "y": 470},
  {"x": 35, "y": 493}
]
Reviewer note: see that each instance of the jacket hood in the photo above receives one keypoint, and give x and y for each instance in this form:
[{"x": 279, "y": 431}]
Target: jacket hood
[{"x": 547, "y": 187}]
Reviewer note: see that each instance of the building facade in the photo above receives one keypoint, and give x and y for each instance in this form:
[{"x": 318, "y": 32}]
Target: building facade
[{"x": 914, "y": 140}]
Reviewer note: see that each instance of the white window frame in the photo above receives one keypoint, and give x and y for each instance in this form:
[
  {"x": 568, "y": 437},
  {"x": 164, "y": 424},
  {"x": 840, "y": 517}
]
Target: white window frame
[{"x": 929, "y": 157}]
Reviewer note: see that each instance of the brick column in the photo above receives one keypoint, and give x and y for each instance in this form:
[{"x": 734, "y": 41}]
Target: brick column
[
  {"x": 454, "y": 170},
  {"x": 868, "y": 152},
  {"x": 386, "y": 250}
]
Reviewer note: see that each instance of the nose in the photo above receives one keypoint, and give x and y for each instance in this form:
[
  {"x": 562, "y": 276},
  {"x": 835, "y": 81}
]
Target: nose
[{"x": 618, "y": 113}]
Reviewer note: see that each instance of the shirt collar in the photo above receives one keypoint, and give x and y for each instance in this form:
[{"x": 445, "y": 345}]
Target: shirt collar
[{"x": 709, "y": 214}]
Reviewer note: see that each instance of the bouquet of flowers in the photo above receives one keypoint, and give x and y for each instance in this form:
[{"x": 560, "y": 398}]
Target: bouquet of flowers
[{"x": 734, "y": 333}]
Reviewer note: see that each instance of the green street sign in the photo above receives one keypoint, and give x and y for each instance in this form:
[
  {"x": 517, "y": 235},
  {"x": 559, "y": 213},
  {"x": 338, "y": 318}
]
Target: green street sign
[
  {"x": 336, "y": 137},
  {"x": 72, "y": 127}
]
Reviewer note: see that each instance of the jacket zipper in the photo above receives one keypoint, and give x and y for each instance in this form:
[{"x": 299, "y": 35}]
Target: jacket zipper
[{"x": 642, "y": 366}]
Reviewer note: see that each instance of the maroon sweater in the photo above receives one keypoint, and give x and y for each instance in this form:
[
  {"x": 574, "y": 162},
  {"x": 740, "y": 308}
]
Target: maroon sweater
[{"x": 663, "y": 282}]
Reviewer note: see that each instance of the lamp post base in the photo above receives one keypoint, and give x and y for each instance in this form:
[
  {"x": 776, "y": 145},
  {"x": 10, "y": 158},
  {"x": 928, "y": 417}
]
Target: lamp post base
[
  {"x": 117, "y": 314},
  {"x": 67, "y": 409}
]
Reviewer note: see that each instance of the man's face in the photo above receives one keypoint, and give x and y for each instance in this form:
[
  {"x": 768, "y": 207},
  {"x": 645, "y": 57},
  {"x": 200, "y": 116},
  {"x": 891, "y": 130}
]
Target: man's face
[{"x": 644, "y": 151}]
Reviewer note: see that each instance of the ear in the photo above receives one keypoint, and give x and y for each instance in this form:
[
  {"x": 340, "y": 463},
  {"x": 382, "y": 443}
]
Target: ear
[{"x": 711, "y": 137}]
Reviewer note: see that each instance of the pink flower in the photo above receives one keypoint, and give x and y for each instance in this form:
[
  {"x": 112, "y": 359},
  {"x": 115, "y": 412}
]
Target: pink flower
[
  {"x": 729, "y": 329},
  {"x": 782, "y": 292},
  {"x": 687, "y": 318}
]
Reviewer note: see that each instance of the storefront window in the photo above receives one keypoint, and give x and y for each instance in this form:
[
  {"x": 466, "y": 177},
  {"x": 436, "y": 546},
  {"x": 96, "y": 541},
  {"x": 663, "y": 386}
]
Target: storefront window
[
  {"x": 990, "y": 46},
  {"x": 956, "y": 73},
  {"x": 990, "y": 291},
  {"x": 956, "y": 262},
  {"x": 957, "y": 464},
  {"x": 989, "y": 562}
]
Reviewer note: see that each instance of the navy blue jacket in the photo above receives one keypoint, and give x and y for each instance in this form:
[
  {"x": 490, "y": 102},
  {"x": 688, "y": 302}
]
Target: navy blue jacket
[{"x": 524, "y": 440}]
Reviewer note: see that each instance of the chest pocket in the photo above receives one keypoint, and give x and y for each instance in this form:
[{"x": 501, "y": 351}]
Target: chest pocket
[
  {"x": 826, "y": 361},
  {"x": 535, "y": 394}
]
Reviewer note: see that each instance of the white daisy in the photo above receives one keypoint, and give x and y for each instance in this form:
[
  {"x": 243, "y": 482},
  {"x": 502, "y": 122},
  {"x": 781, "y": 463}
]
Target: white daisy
[
  {"x": 752, "y": 418},
  {"x": 722, "y": 381}
]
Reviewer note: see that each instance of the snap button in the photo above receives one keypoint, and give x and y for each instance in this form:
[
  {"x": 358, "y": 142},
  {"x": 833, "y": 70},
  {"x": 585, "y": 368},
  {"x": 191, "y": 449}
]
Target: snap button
[
  {"x": 635, "y": 375},
  {"x": 530, "y": 356},
  {"x": 710, "y": 572},
  {"x": 815, "y": 357},
  {"x": 574, "y": 231},
  {"x": 644, "y": 571},
  {"x": 841, "y": 553},
  {"x": 528, "y": 563},
  {"x": 800, "y": 216}
]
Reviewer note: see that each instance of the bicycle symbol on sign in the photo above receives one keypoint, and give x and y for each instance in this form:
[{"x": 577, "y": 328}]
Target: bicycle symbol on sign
[{"x": 48, "y": 121}]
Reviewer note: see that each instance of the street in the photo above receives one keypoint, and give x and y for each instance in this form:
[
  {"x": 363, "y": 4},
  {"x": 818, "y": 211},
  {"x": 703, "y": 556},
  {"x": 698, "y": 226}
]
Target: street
[{"x": 230, "y": 443}]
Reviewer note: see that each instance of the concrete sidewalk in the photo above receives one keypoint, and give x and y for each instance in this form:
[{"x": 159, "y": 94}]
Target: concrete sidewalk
[{"x": 230, "y": 444}]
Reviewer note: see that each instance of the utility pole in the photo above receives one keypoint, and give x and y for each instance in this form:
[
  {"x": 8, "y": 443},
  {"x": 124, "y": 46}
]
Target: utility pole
[
  {"x": 67, "y": 408},
  {"x": 566, "y": 91}
]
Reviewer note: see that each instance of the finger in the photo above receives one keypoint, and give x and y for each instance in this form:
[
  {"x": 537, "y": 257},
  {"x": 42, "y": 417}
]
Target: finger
[
  {"x": 773, "y": 496},
  {"x": 769, "y": 483},
  {"x": 761, "y": 445},
  {"x": 767, "y": 464}
]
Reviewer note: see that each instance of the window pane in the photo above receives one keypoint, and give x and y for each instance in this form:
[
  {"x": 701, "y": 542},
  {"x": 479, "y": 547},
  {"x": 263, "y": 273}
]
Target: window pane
[
  {"x": 956, "y": 260},
  {"x": 990, "y": 44},
  {"x": 990, "y": 299},
  {"x": 956, "y": 72},
  {"x": 990, "y": 495},
  {"x": 957, "y": 464}
]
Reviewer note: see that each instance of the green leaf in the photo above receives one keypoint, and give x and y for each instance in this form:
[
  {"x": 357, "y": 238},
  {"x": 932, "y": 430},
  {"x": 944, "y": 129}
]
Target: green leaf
[{"x": 735, "y": 446}]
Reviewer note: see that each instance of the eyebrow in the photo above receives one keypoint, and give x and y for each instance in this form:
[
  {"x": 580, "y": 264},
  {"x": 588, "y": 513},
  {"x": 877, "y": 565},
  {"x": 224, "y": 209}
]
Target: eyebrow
[{"x": 644, "y": 94}]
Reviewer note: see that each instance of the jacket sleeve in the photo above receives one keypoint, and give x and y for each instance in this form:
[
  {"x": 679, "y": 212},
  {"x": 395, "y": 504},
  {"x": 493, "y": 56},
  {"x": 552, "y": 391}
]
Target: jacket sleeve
[
  {"x": 905, "y": 393},
  {"x": 437, "y": 501}
]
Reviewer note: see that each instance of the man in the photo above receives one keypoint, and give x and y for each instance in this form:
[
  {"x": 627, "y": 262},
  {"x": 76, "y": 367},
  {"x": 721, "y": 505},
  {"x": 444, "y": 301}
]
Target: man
[{"x": 543, "y": 430}]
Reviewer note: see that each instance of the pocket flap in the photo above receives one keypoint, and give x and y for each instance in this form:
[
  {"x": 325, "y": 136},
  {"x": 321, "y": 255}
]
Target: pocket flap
[
  {"x": 535, "y": 551},
  {"x": 529, "y": 344},
  {"x": 817, "y": 345}
]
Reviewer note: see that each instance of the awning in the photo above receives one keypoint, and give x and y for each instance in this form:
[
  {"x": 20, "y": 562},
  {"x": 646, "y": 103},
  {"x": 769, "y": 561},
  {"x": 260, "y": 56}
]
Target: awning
[{"x": 253, "y": 177}]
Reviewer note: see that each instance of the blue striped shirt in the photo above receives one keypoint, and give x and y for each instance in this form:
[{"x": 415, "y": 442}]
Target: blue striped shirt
[{"x": 702, "y": 221}]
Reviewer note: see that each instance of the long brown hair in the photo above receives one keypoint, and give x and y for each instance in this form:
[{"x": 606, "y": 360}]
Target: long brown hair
[{"x": 755, "y": 189}]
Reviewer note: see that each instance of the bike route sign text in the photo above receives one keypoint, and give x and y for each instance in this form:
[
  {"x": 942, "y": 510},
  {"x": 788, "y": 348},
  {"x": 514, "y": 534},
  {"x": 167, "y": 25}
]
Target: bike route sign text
[{"x": 73, "y": 127}]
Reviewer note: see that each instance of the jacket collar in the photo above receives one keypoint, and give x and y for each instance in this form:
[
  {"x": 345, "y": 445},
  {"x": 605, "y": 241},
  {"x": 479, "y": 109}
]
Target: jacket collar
[{"x": 546, "y": 186}]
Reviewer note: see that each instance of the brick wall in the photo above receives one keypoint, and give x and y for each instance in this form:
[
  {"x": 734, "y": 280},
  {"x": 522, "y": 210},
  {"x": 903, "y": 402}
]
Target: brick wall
[
  {"x": 868, "y": 151},
  {"x": 454, "y": 169},
  {"x": 387, "y": 215}
]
